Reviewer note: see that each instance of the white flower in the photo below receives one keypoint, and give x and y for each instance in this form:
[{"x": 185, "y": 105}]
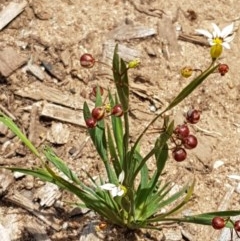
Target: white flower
[
  {"x": 116, "y": 190},
  {"x": 223, "y": 37}
]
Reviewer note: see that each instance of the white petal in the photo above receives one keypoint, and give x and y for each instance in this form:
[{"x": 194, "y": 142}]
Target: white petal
[
  {"x": 108, "y": 186},
  {"x": 115, "y": 191},
  {"x": 204, "y": 32},
  {"x": 210, "y": 41},
  {"x": 226, "y": 45},
  {"x": 121, "y": 177},
  {"x": 227, "y": 30},
  {"x": 217, "y": 31},
  {"x": 120, "y": 192},
  {"x": 229, "y": 39}
]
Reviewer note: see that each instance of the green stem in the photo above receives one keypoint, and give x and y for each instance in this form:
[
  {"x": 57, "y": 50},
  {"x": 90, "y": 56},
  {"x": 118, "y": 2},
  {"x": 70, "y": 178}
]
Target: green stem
[{"x": 181, "y": 96}]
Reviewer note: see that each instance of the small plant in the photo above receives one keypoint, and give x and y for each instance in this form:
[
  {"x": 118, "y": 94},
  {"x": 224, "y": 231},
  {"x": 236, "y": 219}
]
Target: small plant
[{"x": 131, "y": 196}]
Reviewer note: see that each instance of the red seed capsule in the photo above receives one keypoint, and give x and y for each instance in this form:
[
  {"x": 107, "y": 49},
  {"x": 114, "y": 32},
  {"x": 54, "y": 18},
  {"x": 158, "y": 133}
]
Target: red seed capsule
[
  {"x": 98, "y": 113},
  {"x": 193, "y": 116},
  {"x": 179, "y": 154},
  {"x": 223, "y": 69},
  {"x": 181, "y": 131},
  {"x": 190, "y": 142},
  {"x": 91, "y": 122},
  {"x": 237, "y": 225},
  {"x": 117, "y": 110},
  {"x": 218, "y": 223},
  {"x": 87, "y": 61}
]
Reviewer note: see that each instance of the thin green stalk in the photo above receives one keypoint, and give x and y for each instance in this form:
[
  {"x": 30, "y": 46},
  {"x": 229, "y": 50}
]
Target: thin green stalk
[{"x": 181, "y": 96}]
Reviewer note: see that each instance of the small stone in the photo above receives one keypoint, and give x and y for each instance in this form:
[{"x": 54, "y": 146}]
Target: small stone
[
  {"x": 152, "y": 108},
  {"x": 58, "y": 134},
  {"x": 65, "y": 225},
  {"x": 29, "y": 182},
  {"x": 217, "y": 164},
  {"x": 18, "y": 175}
]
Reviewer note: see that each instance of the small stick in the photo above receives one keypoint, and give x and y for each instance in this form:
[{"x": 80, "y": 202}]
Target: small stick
[{"x": 3, "y": 109}]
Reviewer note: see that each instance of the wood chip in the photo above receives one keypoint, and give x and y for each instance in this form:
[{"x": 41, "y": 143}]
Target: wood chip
[
  {"x": 63, "y": 114},
  {"x": 126, "y": 32},
  {"x": 6, "y": 179},
  {"x": 39, "y": 91},
  {"x": 23, "y": 202},
  {"x": 168, "y": 37},
  {"x": 37, "y": 231},
  {"x": 48, "y": 194},
  {"x": 10, "y": 61},
  {"x": 58, "y": 134},
  {"x": 11, "y": 11},
  {"x": 126, "y": 53},
  {"x": 35, "y": 70}
]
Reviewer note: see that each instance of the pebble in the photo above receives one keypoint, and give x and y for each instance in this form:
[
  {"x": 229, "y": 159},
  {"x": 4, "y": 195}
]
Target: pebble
[{"x": 217, "y": 164}]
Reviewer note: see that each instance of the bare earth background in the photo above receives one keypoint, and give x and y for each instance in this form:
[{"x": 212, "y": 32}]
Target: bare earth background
[{"x": 54, "y": 34}]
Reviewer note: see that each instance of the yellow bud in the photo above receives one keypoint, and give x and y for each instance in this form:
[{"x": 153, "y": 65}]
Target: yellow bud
[
  {"x": 133, "y": 64},
  {"x": 186, "y": 72},
  {"x": 107, "y": 108},
  {"x": 216, "y": 51}
]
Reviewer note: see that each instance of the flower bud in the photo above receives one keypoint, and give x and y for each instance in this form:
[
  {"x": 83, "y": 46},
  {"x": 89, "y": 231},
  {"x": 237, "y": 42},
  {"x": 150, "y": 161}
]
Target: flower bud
[
  {"x": 216, "y": 51},
  {"x": 117, "y": 110},
  {"x": 98, "y": 113},
  {"x": 223, "y": 69},
  {"x": 186, "y": 72},
  {"x": 87, "y": 61},
  {"x": 91, "y": 122},
  {"x": 133, "y": 64}
]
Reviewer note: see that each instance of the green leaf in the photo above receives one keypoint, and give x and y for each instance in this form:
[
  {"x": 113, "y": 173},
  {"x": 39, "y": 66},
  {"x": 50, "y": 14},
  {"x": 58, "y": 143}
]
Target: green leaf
[
  {"x": 13, "y": 127},
  {"x": 97, "y": 134},
  {"x": 60, "y": 164},
  {"x": 113, "y": 152},
  {"x": 39, "y": 173},
  {"x": 117, "y": 128},
  {"x": 121, "y": 79},
  {"x": 173, "y": 198}
]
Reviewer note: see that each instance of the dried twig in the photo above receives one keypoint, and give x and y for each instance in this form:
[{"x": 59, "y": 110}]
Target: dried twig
[
  {"x": 3, "y": 109},
  {"x": 146, "y": 10}
]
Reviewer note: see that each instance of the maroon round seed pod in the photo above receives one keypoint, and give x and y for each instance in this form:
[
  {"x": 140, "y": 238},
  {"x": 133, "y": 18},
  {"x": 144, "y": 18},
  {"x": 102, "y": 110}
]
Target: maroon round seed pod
[
  {"x": 179, "y": 154},
  {"x": 193, "y": 116},
  {"x": 117, "y": 110},
  {"x": 218, "y": 223},
  {"x": 223, "y": 69},
  {"x": 190, "y": 142},
  {"x": 181, "y": 131},
  {"x": 87, "y": 61},
  {"x": 91, "y": 122},
  {"x": 98, "y": 113},
  {"x": 237, "y": 226}
]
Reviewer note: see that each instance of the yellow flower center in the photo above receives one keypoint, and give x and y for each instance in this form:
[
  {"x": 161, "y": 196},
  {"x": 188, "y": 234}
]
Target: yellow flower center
[
  {"x": 123, "y": 188},
  {"x": 218, "y": 41}
]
